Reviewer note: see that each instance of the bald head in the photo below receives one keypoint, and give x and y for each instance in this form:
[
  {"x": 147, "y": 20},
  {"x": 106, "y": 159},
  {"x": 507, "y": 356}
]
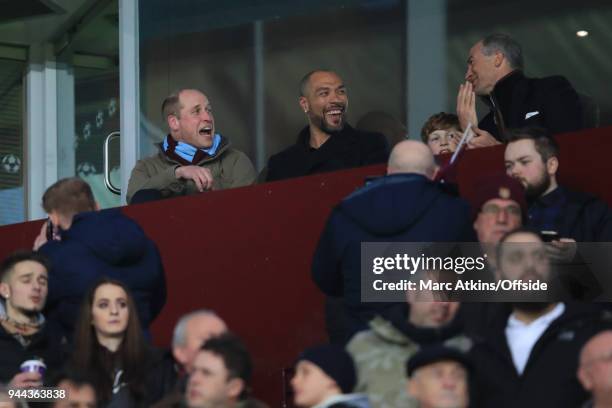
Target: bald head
[
  {"x": 598, "y": 345},
  {"x": 595, "y": 370},
  {"x": 411, "y": 156}
]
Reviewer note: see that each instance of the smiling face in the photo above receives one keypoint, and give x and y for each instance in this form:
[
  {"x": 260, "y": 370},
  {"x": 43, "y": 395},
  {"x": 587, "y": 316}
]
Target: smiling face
[
  {"x": 193, "y": 123},
  {"x": 325, "y": 101},
  {"x": 110, "y": 311},
  {"x": 483, "y": 70},
  {"x": 25, "y": 288}
]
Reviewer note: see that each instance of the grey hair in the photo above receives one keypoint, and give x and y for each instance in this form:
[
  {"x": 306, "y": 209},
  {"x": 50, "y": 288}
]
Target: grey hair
[
  {"x": 179, "y": 335},
  {"x": 506, "y": 45}
]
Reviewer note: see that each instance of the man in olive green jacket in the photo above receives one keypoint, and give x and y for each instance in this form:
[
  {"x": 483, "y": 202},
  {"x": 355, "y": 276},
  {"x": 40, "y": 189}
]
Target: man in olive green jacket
[
  {"x": 192, "y": 158},
  {"x": 380, "y": 354}
]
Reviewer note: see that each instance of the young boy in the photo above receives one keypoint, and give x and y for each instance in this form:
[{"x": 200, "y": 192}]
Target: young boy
[
  {"x": 442, "y": 133},
  {"x": 324, "y": 378}
]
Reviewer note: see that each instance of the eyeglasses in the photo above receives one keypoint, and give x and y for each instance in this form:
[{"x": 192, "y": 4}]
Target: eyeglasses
[{"x": 494, "y": 209}]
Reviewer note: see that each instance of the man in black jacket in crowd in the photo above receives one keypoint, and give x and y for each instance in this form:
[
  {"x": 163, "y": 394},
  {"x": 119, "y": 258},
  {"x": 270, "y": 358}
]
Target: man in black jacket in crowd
[
  {"x": 328, "y": 143},
  {"x": 532, "y": 157},
  {"x": 528, "y": 354},
  {"x": 495, "y": 73},
  {"x": 24, "y": 332}
]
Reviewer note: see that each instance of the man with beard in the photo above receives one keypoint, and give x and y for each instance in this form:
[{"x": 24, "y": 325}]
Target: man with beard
[
  {"x": 328, "y": 143},
  {"x": 495, "y": 73},
  {"x": 532, "y": 157},
  {"x": 192, "y": 158},
  {"x": 528, "y": 355}
]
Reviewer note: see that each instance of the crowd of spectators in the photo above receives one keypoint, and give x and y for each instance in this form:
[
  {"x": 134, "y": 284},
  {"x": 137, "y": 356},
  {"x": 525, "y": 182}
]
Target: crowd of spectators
[{"x": 78, "y": 307}]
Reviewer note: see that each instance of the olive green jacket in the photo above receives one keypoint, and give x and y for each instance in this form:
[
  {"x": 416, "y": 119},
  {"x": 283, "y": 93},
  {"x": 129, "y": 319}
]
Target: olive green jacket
[{"x": 229, "y": 167}]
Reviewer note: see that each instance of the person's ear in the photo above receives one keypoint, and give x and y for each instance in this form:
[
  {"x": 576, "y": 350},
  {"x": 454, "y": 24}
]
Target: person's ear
[
  {"x": 552, "y": 165},
  {"x": 585, "y": 378},
  {"x": 235, "y": 386},
  {"x": 97, "y": 206},
  {"x": 499, "y": 59},
  {"x": 179, "y": 355},
  {"x": 5, "y": 290},
  {"x": 411, "y": 388},
  {"x": 173, "y": 122},
  {"x": 304, "y": 104}
]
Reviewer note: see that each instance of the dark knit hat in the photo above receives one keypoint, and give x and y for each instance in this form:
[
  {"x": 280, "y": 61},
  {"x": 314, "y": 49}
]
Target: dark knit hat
[
  {"x": 435, "y": 353},
  {"x": 336, "y": 362},
  {"x": 497, "y": 186}
]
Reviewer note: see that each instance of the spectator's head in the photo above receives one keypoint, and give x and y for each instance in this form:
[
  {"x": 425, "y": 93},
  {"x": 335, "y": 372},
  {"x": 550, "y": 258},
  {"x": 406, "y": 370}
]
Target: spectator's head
[
  {"x": 108, "y": 320},
  {"x": 411, "y": 156},
  {"x": 188, "y": 113},
  {"x": 190, "y": 333},
  {"x": 108, "y": 313},
  {"x": 324, "y": 100},
  {"x": 385, "y": 123},
  {"x": 80, "y": 391},
  {"x": 441, "y": 132},
  {"x": 531, "y": 157},
  {"x": 322, "y": 372},
  {"x": 427, "y": 313},
  {"x": 438, "y": 377},
  {"x": 66, "y": 198},
  {"x": 521, "y": 255},
  {"x": 491, "y": 59},
  {"x": 498, "y": 205},
  {"x": 595, "y": 370},
  {"x": 23, "y": 285},
  {"x": 221, "y": 373}
]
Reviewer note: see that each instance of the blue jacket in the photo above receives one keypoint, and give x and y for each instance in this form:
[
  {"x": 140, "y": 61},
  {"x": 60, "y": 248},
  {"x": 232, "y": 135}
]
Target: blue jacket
[
  {"x": 103, "y": 243},
  {"x": 395, "y": 208}
]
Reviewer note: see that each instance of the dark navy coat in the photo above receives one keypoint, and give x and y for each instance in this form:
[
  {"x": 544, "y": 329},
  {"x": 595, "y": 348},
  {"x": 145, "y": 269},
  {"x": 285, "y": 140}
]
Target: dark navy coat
[
  {"x": 103, "y": 243},
  {"x": 395, "y": 208}
]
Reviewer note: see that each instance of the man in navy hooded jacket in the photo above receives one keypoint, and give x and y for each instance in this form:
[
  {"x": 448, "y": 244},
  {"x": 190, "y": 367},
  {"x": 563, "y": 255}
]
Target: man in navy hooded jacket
[
  {"x": 84, "y": 245},
  {"x": 404, "y": 206}
]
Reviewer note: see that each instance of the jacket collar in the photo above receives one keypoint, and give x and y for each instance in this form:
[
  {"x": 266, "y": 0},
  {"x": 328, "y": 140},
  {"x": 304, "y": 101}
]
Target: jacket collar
[
  {"x": 504, "y": 88},
  {"x": 398, "y": 330},
  {"x": 303, "y": 139}
]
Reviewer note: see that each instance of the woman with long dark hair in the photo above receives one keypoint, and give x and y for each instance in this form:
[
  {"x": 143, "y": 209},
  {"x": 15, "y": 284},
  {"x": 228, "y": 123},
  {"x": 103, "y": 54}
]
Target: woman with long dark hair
[{"x": 110, "y": 348}]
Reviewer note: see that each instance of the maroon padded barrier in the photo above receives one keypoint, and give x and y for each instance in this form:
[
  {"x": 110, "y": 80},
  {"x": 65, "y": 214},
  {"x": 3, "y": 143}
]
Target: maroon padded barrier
[{"x": 246, "y": 252}]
